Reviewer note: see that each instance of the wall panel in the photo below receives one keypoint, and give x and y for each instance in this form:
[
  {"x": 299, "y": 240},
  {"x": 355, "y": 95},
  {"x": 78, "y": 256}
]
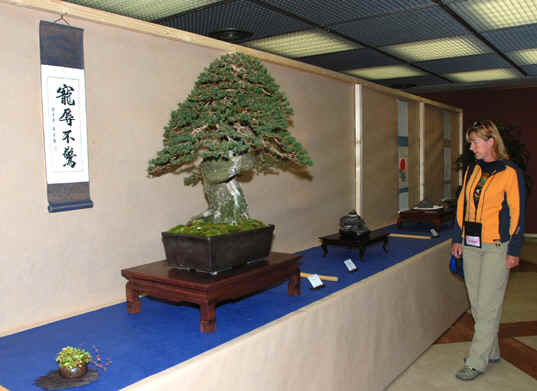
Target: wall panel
[
  {"x": 434, "y": 154},
  {"x": 413, "y": 154},
  {"x": 380, "y": 158}
]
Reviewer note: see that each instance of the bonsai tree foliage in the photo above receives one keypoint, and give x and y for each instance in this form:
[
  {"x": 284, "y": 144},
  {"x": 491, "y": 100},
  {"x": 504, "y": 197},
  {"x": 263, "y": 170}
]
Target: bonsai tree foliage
[{"x": 235, "y": 120}]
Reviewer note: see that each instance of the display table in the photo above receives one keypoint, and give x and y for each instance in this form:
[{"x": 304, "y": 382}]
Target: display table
[
  {"x": 159, "y": 280},
  {"x": 360, "y": 243},
  {"x": 435, "y": 216},
  {"x": 337, "y": 342}
]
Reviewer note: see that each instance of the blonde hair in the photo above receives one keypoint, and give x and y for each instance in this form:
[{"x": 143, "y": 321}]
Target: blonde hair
[{"x": 486, "y": 130}]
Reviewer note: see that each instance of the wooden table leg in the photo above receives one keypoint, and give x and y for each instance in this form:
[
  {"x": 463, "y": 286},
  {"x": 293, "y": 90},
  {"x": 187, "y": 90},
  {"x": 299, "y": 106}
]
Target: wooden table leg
[
  {"x": 325, "y": 249},
  {"x": 133, "y": 300},
  {"x": 399, "y": 223},
  {"x": 293, "y": 288},
  {"x": 208, "y": 318},
  {"x": 362, "y": 252},
  {"x": 384, "y": 244},
  {"x": 437, "y": 223}
]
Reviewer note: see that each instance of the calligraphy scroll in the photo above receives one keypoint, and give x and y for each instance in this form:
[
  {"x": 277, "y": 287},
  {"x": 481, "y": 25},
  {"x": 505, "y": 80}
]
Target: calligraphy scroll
[{"x": 64, "y": 117}]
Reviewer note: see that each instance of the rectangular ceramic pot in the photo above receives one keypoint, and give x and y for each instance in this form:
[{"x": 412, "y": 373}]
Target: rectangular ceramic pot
[{"x": 217, "y": 253}]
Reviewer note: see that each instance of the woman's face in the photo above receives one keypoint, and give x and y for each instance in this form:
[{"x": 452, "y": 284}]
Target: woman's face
[{"x": 482, "y": 149}]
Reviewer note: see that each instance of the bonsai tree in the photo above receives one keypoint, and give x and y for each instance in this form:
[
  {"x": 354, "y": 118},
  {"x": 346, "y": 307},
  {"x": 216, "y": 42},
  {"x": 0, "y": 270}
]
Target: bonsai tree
[
  {"x": 70, "y": 357},
  {"x": 235, "y": 120}
]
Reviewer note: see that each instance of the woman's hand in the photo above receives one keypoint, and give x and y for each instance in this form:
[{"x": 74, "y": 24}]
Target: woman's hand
[
  {"x": 511, "y": 261},
  {"x": 456, "y": 250}
]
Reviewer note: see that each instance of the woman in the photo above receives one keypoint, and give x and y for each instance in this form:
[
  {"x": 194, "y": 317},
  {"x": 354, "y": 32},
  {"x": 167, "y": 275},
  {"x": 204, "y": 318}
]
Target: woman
[{"x": 488, "y": 234}]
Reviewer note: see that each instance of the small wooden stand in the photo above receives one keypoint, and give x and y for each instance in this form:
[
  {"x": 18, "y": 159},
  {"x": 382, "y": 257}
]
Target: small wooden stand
[
  {"x": 435, "y": 216},
  {"x": 360, "y": 243},
  {"x": 159, "y": 280}
]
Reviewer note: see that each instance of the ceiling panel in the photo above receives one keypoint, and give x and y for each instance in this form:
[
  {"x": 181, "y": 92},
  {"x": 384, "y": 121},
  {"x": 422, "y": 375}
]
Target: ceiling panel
[
  {"x": 514, "y": 38},
  {"x": 432, "y": 38},
  {"x": 241, "y": 14},
  {"x": 416, "y": 25},
  {"x": 303, "y": 43},
  {"x": 412, "y": 82},
  {"x": 438, "y": 48},
  {"x": 145, "y": 9},
  {"x": 487, "y": 15},
  {"x": 360, "y": 58},
  {"x": 530, "y": 69},
  {"x": 484, "y": 75},
  {"x": 329, "y": 12},
  {"x": 465, "y": 63}
]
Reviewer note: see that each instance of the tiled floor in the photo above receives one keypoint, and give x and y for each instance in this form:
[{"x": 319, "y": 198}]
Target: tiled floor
[{"x": 517, "y": 371}]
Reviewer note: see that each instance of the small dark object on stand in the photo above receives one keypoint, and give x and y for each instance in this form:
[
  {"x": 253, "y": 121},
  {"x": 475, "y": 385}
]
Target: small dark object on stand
[
  {"x": 352, "y": 226},
  {"x": 54, "y": 381}
]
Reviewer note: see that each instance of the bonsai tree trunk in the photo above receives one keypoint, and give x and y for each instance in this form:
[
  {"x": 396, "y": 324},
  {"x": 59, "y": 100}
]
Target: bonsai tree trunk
[{"x": 223, "y": 192}]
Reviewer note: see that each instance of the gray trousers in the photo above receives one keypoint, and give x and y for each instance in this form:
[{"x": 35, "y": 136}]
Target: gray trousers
[{"x": 486, "y": 276}]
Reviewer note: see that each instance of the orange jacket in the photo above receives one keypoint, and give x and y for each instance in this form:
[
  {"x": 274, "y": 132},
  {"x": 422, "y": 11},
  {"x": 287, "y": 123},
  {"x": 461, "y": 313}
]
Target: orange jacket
[{"x": 501, "y": 205}]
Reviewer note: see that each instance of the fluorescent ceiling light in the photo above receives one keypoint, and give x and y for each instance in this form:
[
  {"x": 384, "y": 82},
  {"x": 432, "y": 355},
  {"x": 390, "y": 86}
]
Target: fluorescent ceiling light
[
  {"x": 486, "y": 75},
  {"x": 497, "y": 14},
  {"x": 437, "y": 48},
  {"x": 144, "y": 9},
  {"x": 386, "y": 72},
  {"x": 302, "y": 44},
  {"x": 524, "y": 57}
]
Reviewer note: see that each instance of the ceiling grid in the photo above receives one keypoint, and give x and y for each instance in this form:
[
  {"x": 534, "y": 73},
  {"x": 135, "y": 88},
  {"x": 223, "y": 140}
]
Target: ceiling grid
[{"x": 404, "y": 44}]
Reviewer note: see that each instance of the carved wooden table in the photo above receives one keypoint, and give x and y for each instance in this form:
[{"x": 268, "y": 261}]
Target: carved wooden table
[
  {"x": 159, "y": 280},
  {"x": 435, "y": 216},
  {"x": 361, "y": 242}
]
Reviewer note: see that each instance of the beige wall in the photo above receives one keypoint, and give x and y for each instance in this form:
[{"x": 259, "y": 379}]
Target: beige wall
[
  {"x": 68, "y": 262},
  {"x": 434, "y": 154},
  {"x": 434, "y": 151},
  {"x": 380, "y": 158}
]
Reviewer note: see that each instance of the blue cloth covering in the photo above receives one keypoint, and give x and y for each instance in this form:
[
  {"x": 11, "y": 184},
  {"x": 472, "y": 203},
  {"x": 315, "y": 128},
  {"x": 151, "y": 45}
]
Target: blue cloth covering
[{"x": 164, "y": 334}]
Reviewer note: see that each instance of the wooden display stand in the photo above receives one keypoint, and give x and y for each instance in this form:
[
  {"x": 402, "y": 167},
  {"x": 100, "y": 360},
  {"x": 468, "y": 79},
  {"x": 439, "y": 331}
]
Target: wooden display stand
[
  {"x": 360, "y": 242},
  {"x": 159, "y": 280},
  {"x": 435, "y": 216}
]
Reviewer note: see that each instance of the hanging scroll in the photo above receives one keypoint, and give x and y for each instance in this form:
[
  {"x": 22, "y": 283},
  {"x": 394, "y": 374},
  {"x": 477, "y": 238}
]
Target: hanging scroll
[{"x": 64, "y": 117}]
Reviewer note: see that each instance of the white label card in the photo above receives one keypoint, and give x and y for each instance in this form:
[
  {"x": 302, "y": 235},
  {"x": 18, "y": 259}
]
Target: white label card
[
  {"x": 473, "y": 241},
  {"x": 315, "y": 281},
  {"x": 350, "y": 265}
]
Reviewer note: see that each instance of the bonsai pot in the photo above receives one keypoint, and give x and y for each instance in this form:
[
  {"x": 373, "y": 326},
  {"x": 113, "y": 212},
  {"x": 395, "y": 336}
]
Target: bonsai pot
[
  {"x": 75, "y": 372},
  {"x": 214, "y": 254}
]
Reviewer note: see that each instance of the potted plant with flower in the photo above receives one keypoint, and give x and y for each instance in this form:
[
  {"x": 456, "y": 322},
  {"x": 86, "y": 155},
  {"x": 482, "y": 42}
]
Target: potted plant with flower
[
  {"x": 73, "y": 362},
  {"x": 235, "y": 120}
]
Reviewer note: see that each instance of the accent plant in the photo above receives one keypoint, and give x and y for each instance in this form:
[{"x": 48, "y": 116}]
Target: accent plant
[
  {"x": 70, "y": 357},
  {"x": 235, "y": 120}
]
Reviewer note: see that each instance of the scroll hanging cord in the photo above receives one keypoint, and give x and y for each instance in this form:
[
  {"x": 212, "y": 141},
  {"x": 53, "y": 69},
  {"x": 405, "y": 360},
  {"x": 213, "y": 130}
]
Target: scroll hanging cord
[{"x": 62, "y": 18}]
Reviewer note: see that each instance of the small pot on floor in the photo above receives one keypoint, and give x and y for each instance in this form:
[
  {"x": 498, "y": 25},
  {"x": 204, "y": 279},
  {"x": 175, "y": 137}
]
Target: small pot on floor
[{"x": 72, "y": 373}]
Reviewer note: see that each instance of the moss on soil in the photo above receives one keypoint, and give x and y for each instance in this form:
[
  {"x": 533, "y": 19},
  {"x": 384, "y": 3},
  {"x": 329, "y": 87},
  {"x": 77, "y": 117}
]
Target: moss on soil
[{"x": 203, "y": 228}]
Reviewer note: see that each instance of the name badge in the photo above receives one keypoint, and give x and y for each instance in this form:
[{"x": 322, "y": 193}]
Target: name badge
[
  {"x": 473, "y": 241},
  {"x": 472, "y": 236}
]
